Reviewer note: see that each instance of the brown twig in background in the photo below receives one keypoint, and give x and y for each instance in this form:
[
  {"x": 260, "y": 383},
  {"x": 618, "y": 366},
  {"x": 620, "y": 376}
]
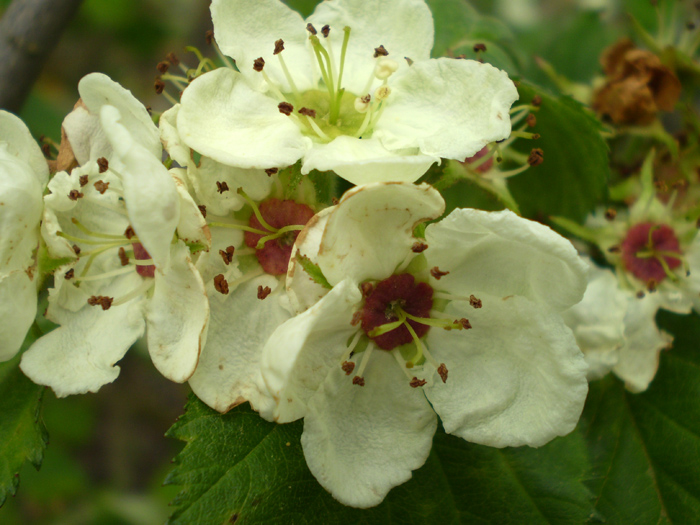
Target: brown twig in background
[{"x": 29, "y": 31}]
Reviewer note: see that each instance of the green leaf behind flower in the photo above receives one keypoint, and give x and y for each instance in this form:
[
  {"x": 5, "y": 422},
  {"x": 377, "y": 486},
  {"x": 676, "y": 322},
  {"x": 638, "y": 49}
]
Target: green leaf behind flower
[{"x": 238, "y": 468}]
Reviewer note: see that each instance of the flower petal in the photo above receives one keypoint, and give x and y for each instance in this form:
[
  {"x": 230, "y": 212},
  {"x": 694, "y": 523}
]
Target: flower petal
[
  {"x": 80, "y": 356},
  {"x": 223, "y": 118},
  {"x": 228, "y": 372},
  {"x": 177, "y": 317},
  {"x": 22, "y": 145},
  {"x": 17, "y": 311},
  {"x": 448, "y": 108},
  {"x": 516, "y": 378},
  {"x": 502, "y": 254},
  {"x": 370, "y": 232},
  {"x": 403, "y": 27},
  {"x": 362, "y": 161},
  {"x": 170, "y": 138},
  {"x": 192, "y": 227},
  {"x": 151, "y": 197},
  {"x": 360, "y": 442},
  {"x": 301, "y": 352},
  {"x": 248, "y": 29}
]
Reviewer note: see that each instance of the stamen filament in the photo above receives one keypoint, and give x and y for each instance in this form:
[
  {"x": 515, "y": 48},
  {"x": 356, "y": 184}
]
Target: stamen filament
[
  {"x": 106, "y": 275},
  {"x": 402, "y": 364},
  {"x": 256, "y": 211},
  {"x": 420, "y": 349},
  {"x": 273, "y": 87},
  {"x": 288, "y": 75},
  {"x": 440, "y": 323},
  {"x": 124, "y": 240},
  {"x": 278, "y": 233},
  {"x": 245, "y": 277},
  {"x": 317, "y": 129},
  {"x": 365, "y": 122},
  {"x": 351, "y": 347},
  {"x": 139, "y": 290},
  {"x": 365, "y": 359},
  {"x": 178, "y": 81},
  {"x": 84, "y": 229},
  {"x": 506, "y": 174}
]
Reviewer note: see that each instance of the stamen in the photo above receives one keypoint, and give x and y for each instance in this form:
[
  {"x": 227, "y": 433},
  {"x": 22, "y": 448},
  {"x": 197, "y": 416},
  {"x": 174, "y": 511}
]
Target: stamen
[
  {"x": 140, "y": 290},
  {"x": 84, "y": 229},
  {"x": 246, "y": 277},
  {"x": 256, "y": 211},
  {"x": 402, "y": 364},
  {"x": 279, "y": 233},
  {"x": 343, "y": 50},
  {"x": 440, "y": 323},
  {"x": 363, "y": 364},
  {"x": 289, "y": 78},
  {"x": 236, "y": 227},
  {"x": 351, "y": 347},
  {"x": 106, "y": 275},
  {"x": 318, "y": 130}
]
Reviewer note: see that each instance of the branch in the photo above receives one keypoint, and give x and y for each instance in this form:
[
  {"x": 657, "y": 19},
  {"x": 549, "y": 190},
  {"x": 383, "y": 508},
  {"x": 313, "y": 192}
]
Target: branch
[{"x": 29, "y": 31}]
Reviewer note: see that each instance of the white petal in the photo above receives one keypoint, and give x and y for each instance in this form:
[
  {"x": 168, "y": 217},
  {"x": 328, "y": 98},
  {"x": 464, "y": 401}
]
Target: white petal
[
  {"x": 448, "y": 108},
  {"x": 21, "y": 207},
  {"x": 192, "y": 227},
  {"x": 85, "y": 135},
  {"x": 639, "y": 358},
  {"x": 97, "y": 90},
  {"x": 370, "y": 232},
  {"x": 503, "y": 254},
  {"x": 150, "y": 194},
  {"x": 403, "y": 27},
  {"x": 300, "y": 353},
  {"x": 691, "y": 284},
  {"x": 598, "y": 321},
  {"x": 80, "y": 356},
  {"x": 362, "y": 161},
  {"x": 170, "y": 138},
  {"x": 222, "y": 117},
  {"x": 248, "y": 29},
  {"x": 228, "y": 372},
  {"x": 360, "y": 442},
  {"x": 516, "y": 378},
  {"x": 17, "y": 311},
  {"x": 22, "y": 145},
  {"x": 303, "y": 291},
  {"x": 177, "y": 317}
]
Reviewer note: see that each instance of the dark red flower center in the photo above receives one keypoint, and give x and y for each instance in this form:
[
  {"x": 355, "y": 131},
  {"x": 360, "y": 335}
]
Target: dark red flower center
[
  {"x": 388, "y": 298},
  {"x": 275, "y": 253},
  {"x": 140, "y": 254},
  {"x": 648, "y": 248}
]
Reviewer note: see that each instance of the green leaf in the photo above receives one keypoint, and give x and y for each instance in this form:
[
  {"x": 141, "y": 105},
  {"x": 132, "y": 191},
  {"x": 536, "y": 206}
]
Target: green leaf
[
  {"x": 646, "y": 447},
  {"x": 23, "y": 436},
  {"x": 573, "y": 178},
  {"x": 313, "y": 270},
  {"x": 238, "y": 468}
]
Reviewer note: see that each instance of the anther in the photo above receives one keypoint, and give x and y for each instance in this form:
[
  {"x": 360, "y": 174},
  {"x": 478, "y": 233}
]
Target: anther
[
  {"x": 536, "y": 101},
  {"x": 640, "y": 294},
  {"x": 380, "y": 52},
  {"x": 442, "y": 370},
  {"x": 227, "y": 255},
  {"x": 123, "y": 258},
  {"x": 357, "y": 380},
  {"x": 221, "y": 187},
  {"x": 271, "y": 171},
  {"x": 46, "y": 150},
  {"x": 408, "y": 61},
  {"x": 101, "y": 186},
  {"x": 362, "y": 103},
  {"x": 221, "y": 284},
  {"x": 101, "y": 300},
  {"x": 325, "y": 30},
  {"x": 614, "y": 249},
  {"x": 464, "y": 322},
  {"x": 347, "y": 367},
  {"x": 159, "y": 86},
  {"x": 475, "y": 302},
  {"x": 74, "y": 195},
  {"x": 536, "y": 157},
  {"x": 479, "y": 47},
  {"x": 415, "y": 382},
  {"x": 279, "y": 47},
  {"x": 610, "y": 214},
  {"x": 311, "y": 29},
  {"x": 69, "y": 274},
  {"x": 83, "y": 180},
  {"x": 259, "y": 64},
  {"x": 531, "y": 120},
  {"x": 382, "y": 93},
  {"x": 162, "y": 67},
  {"x": 203, "y": 210},
  {"x": 129, "y": 233},
  {"x": 102, "y": 164},
  {"x": 419, "y": 247},
  {"x": 263, "y": 292},
  {"x": 209, "y": 37},
  {"x": 437, "y": 273},
  {"x": 308, "y": 112},
  {"x": 651, "y": 285},
  {"x": 76, "y": 249},
  {"x": 366, "y": 288},
  {"x": 286, "y": 108},
  {"x": 172, "y": 58}
]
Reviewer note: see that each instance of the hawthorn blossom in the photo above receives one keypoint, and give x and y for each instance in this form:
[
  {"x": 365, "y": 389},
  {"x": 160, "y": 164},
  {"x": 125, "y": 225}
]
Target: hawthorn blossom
[
  {"x": 351, "y": 89},
  {"x": 23, "y": 176},
  {"x": 464, "y": 324},
  {"x": 118, "y": 227}
]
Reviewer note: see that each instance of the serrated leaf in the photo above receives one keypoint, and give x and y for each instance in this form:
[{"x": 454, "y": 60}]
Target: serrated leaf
[
  {"x": 313, "y": 270},
  {"x": 573, "y": 178},
  {"x": 238, "y": 468},
  {"x": 646, "y": 447},
  {"x": 23, "y": 436}
]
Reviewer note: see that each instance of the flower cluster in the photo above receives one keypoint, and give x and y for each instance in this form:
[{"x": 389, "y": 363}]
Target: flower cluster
[{"x": 254, "y": 285}]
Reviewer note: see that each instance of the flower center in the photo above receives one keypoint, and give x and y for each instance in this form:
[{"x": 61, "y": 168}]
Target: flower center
[
  {"x": 651, "y": 251},
  {"x": 283, "y": 219}
]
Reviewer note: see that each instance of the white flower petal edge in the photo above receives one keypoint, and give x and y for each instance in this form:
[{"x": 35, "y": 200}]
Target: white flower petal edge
[
  {"x": 448, "y": 108},
  {"x": 502, "y": 254},
  {"x": 21, "y": 145},
  {"x": 516, "y": 378},
  {"x": 18, "y": 304},
  {"x": 170, "y": 138},
  {"x": 359, "y": 463},
  {"x": 80, "y": 355},
  {"x": 371, "y": 236}
]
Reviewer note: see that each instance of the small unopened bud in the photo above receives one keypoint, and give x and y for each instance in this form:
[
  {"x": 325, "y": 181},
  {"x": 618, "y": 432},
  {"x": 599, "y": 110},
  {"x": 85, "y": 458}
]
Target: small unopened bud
[
  {"x": 382, "y": 93},
  {"x": 385, "y": 68},
  {"x": 362, "y": 103}
]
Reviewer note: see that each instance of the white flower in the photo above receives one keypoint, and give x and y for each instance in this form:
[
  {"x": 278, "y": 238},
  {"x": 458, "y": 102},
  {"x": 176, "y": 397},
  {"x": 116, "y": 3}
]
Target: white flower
[
  {"x": 114, "y": 220},
  {"x": 465, "y": 324},
  {"x": 352, "y": 89},
  {"x": 616, "y": 330},
  {"x": 23, "y": 176}
]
